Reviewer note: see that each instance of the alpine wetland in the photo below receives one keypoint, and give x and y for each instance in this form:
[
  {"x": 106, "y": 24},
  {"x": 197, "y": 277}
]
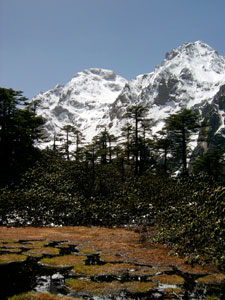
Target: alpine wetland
[{"x": 112, "y": 187}]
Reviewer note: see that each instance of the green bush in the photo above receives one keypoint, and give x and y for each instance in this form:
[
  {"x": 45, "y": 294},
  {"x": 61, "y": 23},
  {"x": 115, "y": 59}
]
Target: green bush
[
  {"x": 188, "y": 211},
  {"x": 195, "y": 227}
]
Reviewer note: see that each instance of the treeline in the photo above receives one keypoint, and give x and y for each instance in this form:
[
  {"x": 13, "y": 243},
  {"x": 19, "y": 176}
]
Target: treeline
[
  {"x": 113, "y": 181},
  {"x": 134, "y": 152},
  {"x": 137, "y": 150}
]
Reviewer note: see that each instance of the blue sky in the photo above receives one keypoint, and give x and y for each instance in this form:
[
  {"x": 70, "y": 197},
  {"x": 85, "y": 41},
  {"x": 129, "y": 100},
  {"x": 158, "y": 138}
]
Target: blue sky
[{"x": 45, "y": 42}]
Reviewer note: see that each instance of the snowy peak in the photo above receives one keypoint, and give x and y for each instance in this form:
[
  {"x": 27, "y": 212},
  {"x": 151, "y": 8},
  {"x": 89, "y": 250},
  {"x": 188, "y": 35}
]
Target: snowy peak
[
  {"x": 189, "y": 76},
  {"x": 82, "y": 102},
  {"x": 95, "y": 81},
  {"x": 191, "y": 50},
  {"x": 100, "y": 84},
  {"x": 198, "y": 57}
]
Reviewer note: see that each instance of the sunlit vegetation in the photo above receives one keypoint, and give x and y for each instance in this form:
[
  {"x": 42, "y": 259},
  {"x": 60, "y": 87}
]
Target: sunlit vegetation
[
  {"x": 157, "y": 271},
  {"x": 10, "y": 258},
  {"x": 34, "y": 244},
  {"x": 169, "y": 279},
  {"x": 107, "y": 269},
  {"x": 108, "y": 288},
  {"x": 11, "y": 245},
  {"x": 10, "y": 250},
  {"x": 41, "y": 296},
  {"x": 133, "y": 179},
  {"x": 217, "y": 278},
  {"x": 87, "y": 250},
  {"x": 63, "y": 261},
  {"x": 111, "y": 258},
  {"x": 42, "y": 251},
  {"x": 194, "y": 269}
]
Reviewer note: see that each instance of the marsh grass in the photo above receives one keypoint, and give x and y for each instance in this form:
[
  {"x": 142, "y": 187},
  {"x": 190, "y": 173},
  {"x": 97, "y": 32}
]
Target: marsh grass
[
  {"x": 88, "y": 250},
  {"x": 38, "y": 252},
  {"x": 169, "y": 279},
  {"x": 40, "y": 296},
  {"x": 218, "y": 278},
  {"x": 112, "y": 258},
  {"x": 10, "y": 250},
  {"x": 10, "y": 258},
  {"x": 61, "y": 261},
  {"x": 34, "y": 244},
  {"x": 106, "y": 269},
  {"x": 134, "y": 268},
  {"x": 109, "y": 288},
  {"x": 9, "y": 245}
]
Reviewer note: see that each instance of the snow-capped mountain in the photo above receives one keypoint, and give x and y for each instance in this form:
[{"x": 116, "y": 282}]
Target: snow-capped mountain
[
  {"x": 83, "y": 102},
  {"x": 190, "y": 76}
]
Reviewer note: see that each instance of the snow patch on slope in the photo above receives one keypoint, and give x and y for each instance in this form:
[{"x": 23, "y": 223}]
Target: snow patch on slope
[
  {"x": 190, "y": 76},
  {"x": 83, "y": 102}
]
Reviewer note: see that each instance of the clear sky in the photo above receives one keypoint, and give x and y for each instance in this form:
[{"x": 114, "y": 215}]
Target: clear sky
[{"x": 45, "y": 42}]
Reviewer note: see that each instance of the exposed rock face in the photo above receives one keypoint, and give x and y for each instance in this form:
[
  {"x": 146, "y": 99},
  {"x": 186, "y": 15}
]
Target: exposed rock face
[
  {"x": 214, "y": 113},
  {"x": 191, "y": 76}
]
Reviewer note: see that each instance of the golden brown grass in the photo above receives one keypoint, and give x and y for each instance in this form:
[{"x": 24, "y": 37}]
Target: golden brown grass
[
  {"x": 61, "y": 261},
  {"x": 120, "y": 249},
  {"x": 217, "y": 278},
  {"x": 169, "y": 279},
  {"x": 195, "y": 270},
  {"x": 112, "y": 242},
  {"x": 9, "y": 258},
  {"x": 108, "y": 288},
  {"x": 40, "y": 296},
  {"x": 107, "y": 269},
  {"x": 42, "y": 251},
  {"x": 34, "y": 244},
  {"x": 11, "y": 250}
]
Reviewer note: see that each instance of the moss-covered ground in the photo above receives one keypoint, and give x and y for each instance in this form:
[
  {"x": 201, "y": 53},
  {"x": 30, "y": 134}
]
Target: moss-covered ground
[{"x": 106, "y": 262}]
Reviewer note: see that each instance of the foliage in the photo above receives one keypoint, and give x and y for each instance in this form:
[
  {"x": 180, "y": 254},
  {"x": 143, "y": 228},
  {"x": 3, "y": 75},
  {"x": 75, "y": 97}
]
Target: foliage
[
  {"x": 19, "y": 129},
  {"x": 180, "y": 127},
  {"x": 111, "y": 186},
  {"x": 40, "y": 296},
  {"x": 137, "y": 114},
  {"x": 195, "y": 225},
  {"x": 210, "y": 163}
]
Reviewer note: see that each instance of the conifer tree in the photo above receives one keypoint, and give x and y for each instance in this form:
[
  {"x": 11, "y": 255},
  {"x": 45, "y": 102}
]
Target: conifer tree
[
  {"x": 210, "y": 163},
  {"x": 126, "y": 133},
  {"x": 79, "y": 140},
  {"x": 67, "y": 129},
  {"x": 19, "y": 130},
  {"x": 136, "y": 113},
  {"x": 164, "y": 143},
  {"x": 180, "y": 127}
]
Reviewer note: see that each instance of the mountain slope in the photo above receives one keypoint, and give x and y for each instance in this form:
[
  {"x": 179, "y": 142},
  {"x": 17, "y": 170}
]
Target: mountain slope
[
  {"x": 83, "y": 102},
  {"x": 190, "y": 76}
]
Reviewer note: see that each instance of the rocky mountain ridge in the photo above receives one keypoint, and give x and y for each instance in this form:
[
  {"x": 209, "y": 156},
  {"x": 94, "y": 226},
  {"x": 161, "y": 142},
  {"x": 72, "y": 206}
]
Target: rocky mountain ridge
[{"x": 192, "y": 76}]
